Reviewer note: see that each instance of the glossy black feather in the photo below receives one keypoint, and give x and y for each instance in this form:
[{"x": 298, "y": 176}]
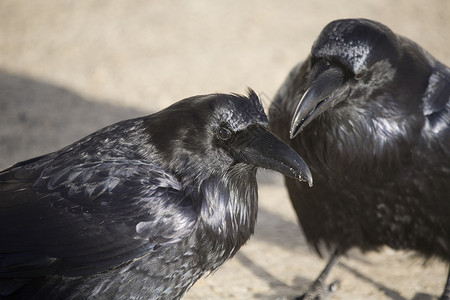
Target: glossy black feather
[
  {"x": 380, "y": 152},
  {"x": 140, "y": 209}
]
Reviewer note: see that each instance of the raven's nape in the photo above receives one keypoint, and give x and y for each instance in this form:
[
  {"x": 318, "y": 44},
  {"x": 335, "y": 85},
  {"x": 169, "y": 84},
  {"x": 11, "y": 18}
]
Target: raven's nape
[{"x": 263, "y": 149}]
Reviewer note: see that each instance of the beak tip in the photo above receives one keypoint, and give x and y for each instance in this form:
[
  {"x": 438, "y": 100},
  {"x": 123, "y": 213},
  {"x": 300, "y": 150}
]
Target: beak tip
[
  {"x": 308, "y": 179},
  {"x": 295, "y": 128},
  {"x": 306, "y": 175},
  {"x": 293, "y": 133}
]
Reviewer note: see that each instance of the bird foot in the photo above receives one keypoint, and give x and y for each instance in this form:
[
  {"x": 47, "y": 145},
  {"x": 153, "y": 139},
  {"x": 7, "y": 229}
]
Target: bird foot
[{"x": 319, "y": 291}]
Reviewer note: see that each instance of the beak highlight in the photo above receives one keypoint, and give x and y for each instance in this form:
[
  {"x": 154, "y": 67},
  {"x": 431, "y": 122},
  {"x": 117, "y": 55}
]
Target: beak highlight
[
  {"x": 318, "y": 97},
  {"x": 264, "y": 149}
]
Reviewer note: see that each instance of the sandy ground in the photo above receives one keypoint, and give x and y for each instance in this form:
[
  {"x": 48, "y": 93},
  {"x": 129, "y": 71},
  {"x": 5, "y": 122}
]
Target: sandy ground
[{"x": 68, "y": 68}]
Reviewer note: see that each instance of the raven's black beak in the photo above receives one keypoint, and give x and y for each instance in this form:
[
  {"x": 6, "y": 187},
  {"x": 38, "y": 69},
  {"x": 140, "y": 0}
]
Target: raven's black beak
[
  {"x": 318, "y": 97},
  {"x": 263, "y": 149}
]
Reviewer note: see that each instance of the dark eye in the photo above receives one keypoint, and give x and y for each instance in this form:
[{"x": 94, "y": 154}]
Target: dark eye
[
  {"x": 361, "y": 74},
  {"x": 224, "y": 133}
]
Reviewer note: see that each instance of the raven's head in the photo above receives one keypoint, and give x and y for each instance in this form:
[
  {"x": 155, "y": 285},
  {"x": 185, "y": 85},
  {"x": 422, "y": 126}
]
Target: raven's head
[
  {"x": 210, "y": 134},
  {"x": 353, "y": 63}
]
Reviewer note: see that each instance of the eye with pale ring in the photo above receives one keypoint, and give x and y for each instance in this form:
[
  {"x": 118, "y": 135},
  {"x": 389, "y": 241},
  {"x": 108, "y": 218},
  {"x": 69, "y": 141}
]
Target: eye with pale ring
[
  {"x": 224, "y": 133},
  {"x": 361, "y": 74}
]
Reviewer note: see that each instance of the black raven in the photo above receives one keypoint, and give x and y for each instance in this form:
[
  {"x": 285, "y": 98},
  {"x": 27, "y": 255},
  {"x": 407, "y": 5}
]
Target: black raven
[
  {"x": 369, "y": 112},
  {"x": 142, "y": 208}
]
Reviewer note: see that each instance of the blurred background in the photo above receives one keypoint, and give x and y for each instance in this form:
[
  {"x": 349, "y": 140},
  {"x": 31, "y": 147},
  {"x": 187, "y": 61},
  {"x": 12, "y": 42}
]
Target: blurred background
[{"x": 70, "y": 67}]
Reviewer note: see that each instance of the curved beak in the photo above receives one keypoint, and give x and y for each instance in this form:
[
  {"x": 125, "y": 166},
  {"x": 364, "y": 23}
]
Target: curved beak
[
  {"x": 318, "y": 97},
  {"x": 263, "y": 149}
]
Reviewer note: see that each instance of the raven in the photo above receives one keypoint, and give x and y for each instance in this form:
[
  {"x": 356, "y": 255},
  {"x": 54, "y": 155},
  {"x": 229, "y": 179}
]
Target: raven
[
  {"x": 369, "y": 111},
  {"x": 142, "y": 208}
]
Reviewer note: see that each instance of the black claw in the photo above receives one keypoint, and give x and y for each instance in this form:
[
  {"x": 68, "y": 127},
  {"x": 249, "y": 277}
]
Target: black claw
[
  {"x": 334, "y": 286},
  {"x": 318, "y": 291}
]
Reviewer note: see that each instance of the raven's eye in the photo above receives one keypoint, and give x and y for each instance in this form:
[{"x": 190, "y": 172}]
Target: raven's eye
[
  {"x": 361, "y": 74},
  {"x": 224, "y": 133}
]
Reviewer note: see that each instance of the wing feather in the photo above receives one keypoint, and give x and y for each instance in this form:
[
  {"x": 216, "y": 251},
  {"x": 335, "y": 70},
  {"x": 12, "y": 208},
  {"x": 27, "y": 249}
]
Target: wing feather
[{"x": 74, "y": 217}]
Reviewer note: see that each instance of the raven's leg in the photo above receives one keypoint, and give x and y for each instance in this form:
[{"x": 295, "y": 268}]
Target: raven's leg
[
  {"x": 446, "y": 293},
  {"x": 318, "y": 290}
]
